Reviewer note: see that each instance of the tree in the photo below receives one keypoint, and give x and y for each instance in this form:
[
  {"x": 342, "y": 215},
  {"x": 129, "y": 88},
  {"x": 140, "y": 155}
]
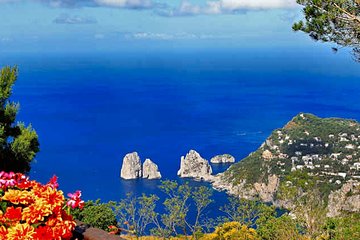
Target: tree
[
  {"x": 246, "y": 212},
  {"x": 280, "y": 228},
  {"x": 343, "y": 227},
  {"x": 336, "y": 21},
  {"x": 308, "y": 198},
  {"x": 202, "y": 199},
  {"x": 18, "y": 143},
  {"x": 176, "y": 208},
  {"x": 136, "y": 213},
  {"x": 175, "y": 219}
]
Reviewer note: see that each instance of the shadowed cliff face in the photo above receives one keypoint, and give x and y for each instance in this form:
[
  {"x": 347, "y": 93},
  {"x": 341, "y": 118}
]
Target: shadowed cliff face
[{"x": 308, "y": 152}]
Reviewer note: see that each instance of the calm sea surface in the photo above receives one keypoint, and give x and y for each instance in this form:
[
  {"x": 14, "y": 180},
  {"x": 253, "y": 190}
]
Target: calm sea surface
[{"x": 90, "y": 110}]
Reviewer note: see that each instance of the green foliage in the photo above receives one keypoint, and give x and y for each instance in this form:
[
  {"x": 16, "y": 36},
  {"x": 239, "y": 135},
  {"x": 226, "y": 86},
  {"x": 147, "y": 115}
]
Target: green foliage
[
  {"x": 139, "y": 213},
  {"x": 250, "y": 168},
  {"x": 295, "y": 184},
  {"x": 280, "y": 228},
  {"x": 96, "y": 214},
  {"x": 343, "y": 228},
  {"x": 308, "y": 197},
  {"x": 325, "y": 141},
  {"x": 176, "y": 207},
  {"x": 335, "y": 21},
  {"x": 246, "y": 212},
  {"x": 202, "y": 199},
  {"x": 318, "y": 127},
  {"x": 18, "y": 143},
  {"x": 310, "y": 210},
  {"x": 136, "y": 213}
]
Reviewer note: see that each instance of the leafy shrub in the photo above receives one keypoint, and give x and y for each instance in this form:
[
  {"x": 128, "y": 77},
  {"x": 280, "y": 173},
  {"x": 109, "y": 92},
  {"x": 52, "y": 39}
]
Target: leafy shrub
[
  {"x": 280, "y": 228},
  {"x": 98, "y": 215},
  {"x": 342, "y": 228}
]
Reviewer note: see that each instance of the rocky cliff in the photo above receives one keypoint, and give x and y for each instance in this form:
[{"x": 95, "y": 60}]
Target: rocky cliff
[
  {"x": 346, "y": 199},
  {"x": 194, "y": 166},
  {"x": 307, "y": 153}
]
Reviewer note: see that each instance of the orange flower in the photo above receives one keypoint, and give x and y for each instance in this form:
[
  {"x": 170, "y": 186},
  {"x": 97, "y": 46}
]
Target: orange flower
[
  {"x": 64, "y": 229},
  {"x": 3, "y": 232},
  {"x": 21, "y": 232},
  {"x": 54, "y": 218},
  {"x": 36, "y": 212},
  {"x": 18, "y": 196},
  {"x": 53, "y": 197}
]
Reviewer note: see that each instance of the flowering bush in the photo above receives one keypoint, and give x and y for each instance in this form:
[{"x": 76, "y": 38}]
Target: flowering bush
[
  {"x": 30, "y": 210},
  {"x": 232, "y": 231}
]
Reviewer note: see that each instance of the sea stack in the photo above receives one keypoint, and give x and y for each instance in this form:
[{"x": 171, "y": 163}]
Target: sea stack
[
  {"x": 132, "y": 169},
  {"x": 150, "y": 170},
  {"x": 194, "y": 166},
  {"x": 131, "y": 166},
  {"x": 224, "y": 158}
]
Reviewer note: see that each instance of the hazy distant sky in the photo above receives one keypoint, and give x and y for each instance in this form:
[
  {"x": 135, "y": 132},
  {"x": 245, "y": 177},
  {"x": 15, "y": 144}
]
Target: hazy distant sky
[{"x": 62, "y": 25}]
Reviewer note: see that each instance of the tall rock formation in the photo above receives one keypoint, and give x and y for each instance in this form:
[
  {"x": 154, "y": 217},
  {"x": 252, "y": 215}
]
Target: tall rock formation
[
  {"x": 150, "y": 170},
  {"x": 131, "y": 166},
  {"x": 194, "y": 166},
  {"x": 132, "y": 169}
]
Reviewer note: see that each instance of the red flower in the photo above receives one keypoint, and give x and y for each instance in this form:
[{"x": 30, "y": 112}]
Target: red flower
[
  {"x": 53, "y": 182},
  {"x": 13, "y": 214},
  {"x": 43, "y": 232}
]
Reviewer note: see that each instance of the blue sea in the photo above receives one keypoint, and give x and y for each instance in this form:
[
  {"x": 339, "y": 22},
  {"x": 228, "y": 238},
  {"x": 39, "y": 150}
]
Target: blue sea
[{"x": 89, "y": 110}]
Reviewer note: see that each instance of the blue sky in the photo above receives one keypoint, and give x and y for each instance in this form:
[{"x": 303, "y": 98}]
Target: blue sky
[{"x": 107, "y": 25}]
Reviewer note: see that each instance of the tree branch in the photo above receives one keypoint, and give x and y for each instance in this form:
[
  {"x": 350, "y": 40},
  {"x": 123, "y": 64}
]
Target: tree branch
[{"x": 348, "y": 14}]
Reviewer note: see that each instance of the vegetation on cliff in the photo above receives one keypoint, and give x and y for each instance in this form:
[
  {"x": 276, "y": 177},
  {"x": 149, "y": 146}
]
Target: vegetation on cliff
[{"x": 308, "y": 151}]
